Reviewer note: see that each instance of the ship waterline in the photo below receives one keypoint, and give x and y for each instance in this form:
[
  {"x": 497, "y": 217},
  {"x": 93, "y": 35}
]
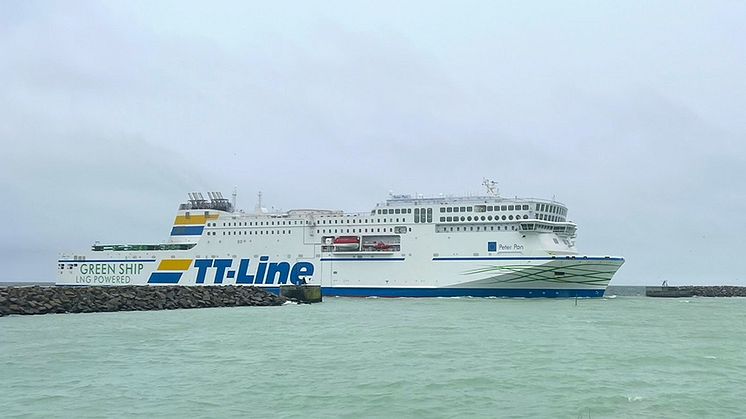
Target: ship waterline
[{"x": 405, "y": 247}]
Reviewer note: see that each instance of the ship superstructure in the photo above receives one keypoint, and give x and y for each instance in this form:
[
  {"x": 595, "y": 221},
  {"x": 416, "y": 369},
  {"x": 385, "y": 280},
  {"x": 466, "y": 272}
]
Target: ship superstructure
[{"x": 404, "y": 247}]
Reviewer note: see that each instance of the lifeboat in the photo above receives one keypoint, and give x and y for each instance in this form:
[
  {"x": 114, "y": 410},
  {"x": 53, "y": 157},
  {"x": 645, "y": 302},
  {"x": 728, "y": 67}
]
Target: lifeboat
[
  {"x": 380, "y": 246},
  {"x": 346, "y": 243}
]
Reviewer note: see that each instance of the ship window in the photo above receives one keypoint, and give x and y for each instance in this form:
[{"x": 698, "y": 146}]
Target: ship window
[
  {"x": 489, "y": 218},
  {"x": 510, "y": 208},
  {"x": 442, "y": 209},
  {"x": 525, "y": 207},
  {"x": 482, "y": 218},
  {"x": 510, "y": 217},
  {"x": 489, "y": 208},
  {"x": 492, "y": 228},
  {"x": 504, "y": 207},
  {"x": 525, "y": 217},
  {"x": 463, "y": 209},
  {"x": 429, "y": 215},
  {"x": 468, "y": 218},
  {"x": 449, "y": 209},
  {"x": 449, "y": 219},
  {"x": 504, "y": 218},
  {"x": 468, "y": 209}
]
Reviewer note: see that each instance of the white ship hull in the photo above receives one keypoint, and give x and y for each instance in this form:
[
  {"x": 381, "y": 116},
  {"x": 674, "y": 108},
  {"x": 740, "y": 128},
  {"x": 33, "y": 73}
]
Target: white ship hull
[{"x": 420, "y": 257}]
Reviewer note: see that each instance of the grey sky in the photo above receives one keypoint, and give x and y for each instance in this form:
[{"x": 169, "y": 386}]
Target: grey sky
[{"x": 631, "y": 113}]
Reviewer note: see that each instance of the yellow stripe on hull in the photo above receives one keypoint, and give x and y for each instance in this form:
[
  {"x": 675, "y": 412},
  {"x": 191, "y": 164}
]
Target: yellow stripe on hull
[
  {"x": 194, "y": 219},
  {"x": 174, "y": 264}
]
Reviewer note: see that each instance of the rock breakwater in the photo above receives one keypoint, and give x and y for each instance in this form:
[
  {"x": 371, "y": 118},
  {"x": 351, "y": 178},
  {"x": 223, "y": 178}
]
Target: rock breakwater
[
  {"x": 44, "y": 300},
  {"x": 696, "y": 291}
]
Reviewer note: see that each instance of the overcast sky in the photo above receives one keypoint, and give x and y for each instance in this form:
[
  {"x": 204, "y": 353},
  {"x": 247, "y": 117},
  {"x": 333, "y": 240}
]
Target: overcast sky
[{"x": 630, "y": 113}]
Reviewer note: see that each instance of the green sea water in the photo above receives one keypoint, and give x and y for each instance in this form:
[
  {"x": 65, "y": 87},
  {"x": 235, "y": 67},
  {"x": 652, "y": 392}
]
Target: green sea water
[{"x": 456, "y": 357}]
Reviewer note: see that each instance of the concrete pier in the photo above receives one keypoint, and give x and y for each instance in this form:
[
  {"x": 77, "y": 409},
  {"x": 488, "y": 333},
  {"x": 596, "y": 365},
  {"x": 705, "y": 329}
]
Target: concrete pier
[{"x": 301, "y": 293}]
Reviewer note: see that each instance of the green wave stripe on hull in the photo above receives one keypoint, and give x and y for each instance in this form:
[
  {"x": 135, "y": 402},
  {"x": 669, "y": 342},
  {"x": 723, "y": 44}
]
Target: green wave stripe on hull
[{"x": 525, "y": 274}]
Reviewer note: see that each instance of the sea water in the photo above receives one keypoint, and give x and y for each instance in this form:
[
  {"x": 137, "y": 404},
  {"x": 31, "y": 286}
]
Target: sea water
[{"x": 451, "y": 357}]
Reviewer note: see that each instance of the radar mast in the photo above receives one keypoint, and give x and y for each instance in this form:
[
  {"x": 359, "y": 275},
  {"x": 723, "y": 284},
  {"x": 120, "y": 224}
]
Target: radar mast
[{"x": 491, "y": 185}]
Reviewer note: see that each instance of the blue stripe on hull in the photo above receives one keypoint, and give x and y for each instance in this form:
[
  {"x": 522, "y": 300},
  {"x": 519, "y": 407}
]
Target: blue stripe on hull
[
  {"x": 454, "y": 292},
  {"x": 187, "y": 230},
  {"x": 164, "y": 278}
]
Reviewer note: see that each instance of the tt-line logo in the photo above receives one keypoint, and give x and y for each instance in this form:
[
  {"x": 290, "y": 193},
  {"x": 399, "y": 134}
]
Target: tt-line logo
[{"x": 265, "y": 273}]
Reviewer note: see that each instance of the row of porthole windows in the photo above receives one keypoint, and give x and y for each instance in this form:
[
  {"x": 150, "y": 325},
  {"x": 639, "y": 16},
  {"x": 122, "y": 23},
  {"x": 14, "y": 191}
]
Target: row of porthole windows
[
  {"x": 482, "y": 218},
  {"x": 474, "y": 228},
  {"x": 394, "y": 211},
  {"x": 249, "y": 232},
  {"x": 255, "y": 223},
  {"x": 488, "y": 208},
  {"x": 365, "y": 221},
  {"x": 358, "y": 230},
  {"x": 336, "y": 221}
]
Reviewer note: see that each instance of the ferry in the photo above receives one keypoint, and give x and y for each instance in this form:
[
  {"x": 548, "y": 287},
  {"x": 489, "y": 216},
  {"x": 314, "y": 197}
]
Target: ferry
[{"x": 406, "y": 246}]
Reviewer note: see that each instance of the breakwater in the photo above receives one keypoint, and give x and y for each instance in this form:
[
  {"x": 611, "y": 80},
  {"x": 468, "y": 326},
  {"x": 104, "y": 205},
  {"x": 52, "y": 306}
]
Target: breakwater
[
  {"x": 696, "y": 291},
  {"x": 44, "y": 300}
]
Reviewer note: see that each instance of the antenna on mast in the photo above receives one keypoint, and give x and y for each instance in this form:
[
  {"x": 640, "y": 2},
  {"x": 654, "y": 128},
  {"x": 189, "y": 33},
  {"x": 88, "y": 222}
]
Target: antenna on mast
[
  {"x": 235, "y": 194},
  {"x": 491, "y": 186}
]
